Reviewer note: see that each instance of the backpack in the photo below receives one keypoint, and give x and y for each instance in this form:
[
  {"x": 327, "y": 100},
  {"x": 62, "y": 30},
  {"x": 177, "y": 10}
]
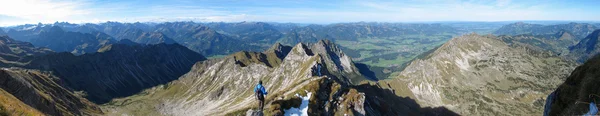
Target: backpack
[{"x": 259, "y": 94}]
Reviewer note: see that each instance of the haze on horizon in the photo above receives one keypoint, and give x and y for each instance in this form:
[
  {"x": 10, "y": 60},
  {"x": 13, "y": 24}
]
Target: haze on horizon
[{"x": 15, "y": 12}]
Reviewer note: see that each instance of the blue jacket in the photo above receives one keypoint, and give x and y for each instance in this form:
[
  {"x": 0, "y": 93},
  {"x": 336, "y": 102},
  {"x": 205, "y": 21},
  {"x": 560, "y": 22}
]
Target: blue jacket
[
  {"x": 593, "y": 110},
  {"x": 262, "y": 89}
]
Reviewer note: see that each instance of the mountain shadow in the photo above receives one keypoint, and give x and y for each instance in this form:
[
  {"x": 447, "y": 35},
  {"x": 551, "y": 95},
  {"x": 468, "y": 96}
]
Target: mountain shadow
[
  {"x": 386, "y": 102},
  {"x": 366, "y": 71},
  {"x": 119, "y": 70}
]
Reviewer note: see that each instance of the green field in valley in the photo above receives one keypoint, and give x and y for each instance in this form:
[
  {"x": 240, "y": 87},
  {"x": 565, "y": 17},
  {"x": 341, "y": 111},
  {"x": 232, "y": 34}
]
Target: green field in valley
[{"x": 387, "y": 56}]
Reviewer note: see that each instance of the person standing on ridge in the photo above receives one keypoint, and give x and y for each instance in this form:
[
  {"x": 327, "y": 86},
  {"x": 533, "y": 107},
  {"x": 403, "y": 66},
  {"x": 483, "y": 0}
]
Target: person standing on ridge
[
  {"x": 319, "y": 69},
  {"x": 260, "y": 92}
]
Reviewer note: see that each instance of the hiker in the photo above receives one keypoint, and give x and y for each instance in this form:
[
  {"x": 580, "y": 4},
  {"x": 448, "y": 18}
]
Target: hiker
[
  {"x": 313, "y": 70},
  {"x": 319, "y": 69},
  {"x": 260, "y": 92}
]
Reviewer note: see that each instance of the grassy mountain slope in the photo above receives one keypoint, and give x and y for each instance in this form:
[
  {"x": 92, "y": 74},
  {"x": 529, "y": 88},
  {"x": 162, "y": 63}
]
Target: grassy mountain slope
[
  {"x": 39, "y": 90},
  {"x": 11, "y": 106}
]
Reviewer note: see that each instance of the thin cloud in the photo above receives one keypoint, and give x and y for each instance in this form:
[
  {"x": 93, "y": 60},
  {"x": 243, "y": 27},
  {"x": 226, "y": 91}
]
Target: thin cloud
[{"x": 306, "y": 11}]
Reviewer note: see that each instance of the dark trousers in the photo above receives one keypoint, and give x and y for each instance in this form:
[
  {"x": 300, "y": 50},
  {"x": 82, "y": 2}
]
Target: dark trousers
[{"x": 261, "y": 104}]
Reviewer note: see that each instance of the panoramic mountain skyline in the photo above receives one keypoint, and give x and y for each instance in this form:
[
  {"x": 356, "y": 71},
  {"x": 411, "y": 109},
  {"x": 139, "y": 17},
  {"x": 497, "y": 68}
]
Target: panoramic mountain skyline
[
  {"x": 311, "y": 11},
  {"x": 299, "y": 57}
]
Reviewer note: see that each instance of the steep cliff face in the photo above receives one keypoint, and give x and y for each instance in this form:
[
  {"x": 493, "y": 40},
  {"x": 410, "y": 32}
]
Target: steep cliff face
[
  {"x": 219, "y": 86},
  {"x": 579, "y": 90},
  {"x": 482, "y": 75},
  {"x": 119, "y": 70},
  {"x": 341, "y": 63},
  {"x": 38, "y": 90}
]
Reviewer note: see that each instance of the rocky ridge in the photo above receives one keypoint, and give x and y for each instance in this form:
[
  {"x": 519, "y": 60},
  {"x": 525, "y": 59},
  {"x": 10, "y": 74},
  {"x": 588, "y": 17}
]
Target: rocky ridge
[{"x": 483, "y": 75}]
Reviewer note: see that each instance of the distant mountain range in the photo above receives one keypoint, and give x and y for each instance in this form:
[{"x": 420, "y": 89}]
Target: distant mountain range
[
  {"x": 117, "y": 68},
  {"x": 587, "y": 47},
  {"x": 580, "y": 30},
  {"x": 222, "y": 38}
]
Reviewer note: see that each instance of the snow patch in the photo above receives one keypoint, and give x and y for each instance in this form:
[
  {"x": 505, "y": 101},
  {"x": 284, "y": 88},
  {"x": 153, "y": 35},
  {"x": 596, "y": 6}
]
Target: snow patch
[
  {"x": 302, "y": 110},
  {"x": 346, "y": 63},
  {"x": 28, "y": 28},
  {"x": 426, "y": 92}
]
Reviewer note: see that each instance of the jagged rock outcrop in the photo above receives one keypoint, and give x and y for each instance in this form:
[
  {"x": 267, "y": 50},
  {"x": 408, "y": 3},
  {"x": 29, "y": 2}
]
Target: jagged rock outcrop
[
  {"x": 204, "y": 40},
  {"x": 342, "y": 63},
  {"x": 38, "y": 90},
  {"x": 586, "y": 48},
  {"x": 220, "y": 86},
  {"x": 581, "y": 88},
  {"x": 119, "y": 70},
  {"x": 482, "y": 75}
]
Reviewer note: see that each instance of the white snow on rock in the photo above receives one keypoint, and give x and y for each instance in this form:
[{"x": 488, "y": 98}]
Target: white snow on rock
[{"x": 302, "y": 110}]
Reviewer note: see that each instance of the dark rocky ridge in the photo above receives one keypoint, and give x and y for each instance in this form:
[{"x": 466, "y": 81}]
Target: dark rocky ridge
[
  {"x": 578, "y": 91},
  {"x": 119, "y": 70}
]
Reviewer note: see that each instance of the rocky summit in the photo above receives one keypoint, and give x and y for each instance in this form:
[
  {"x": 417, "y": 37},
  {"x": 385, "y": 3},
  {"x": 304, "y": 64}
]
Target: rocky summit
[{"x": 482, "y": 75}]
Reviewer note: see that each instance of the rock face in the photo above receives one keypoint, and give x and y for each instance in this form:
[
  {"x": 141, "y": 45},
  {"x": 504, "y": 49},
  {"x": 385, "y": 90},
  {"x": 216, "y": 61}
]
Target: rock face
[
  {"x": 574, "y": 96},
  {"x": 203, "y": 39},
  {"x": 38, "y": 90},
  {"x": 219, "y": 86},
  {"x": 119, "y": 70},
  {"x": 587, "y": 47},
  {"x": 342, "y": 63},
  {"x": 483, "y": 75}
]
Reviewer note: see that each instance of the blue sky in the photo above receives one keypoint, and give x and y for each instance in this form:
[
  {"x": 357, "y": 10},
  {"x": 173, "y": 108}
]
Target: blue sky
[{"x": 14, "y": 12}]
